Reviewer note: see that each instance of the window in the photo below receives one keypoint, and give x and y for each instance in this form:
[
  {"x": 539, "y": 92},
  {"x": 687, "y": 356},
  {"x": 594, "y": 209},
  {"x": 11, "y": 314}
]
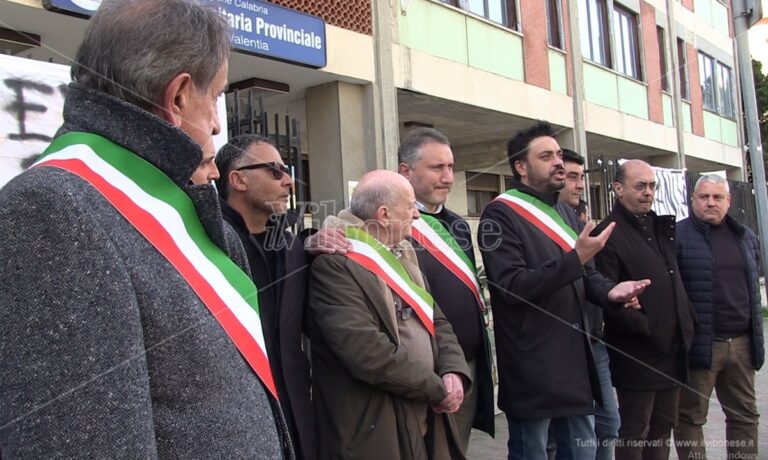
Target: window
[
  {"x": 662, "y": 59},
  {"x": 682, "y": 63},
  {"x": 554, "y": 24},
  {"x": 499, "y": 11},
  {"x": 626, "y": 42},
  {"x": 724, "y": 91},
  {"x": 481, "y": 189},
  {"x": 707, "y": 80},
  {"x": 716, "y": 86},
  {"x": 593, "y": 22}
]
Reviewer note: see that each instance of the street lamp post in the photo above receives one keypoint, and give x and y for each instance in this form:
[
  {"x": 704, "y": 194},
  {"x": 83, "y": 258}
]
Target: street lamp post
[{"x": 745, "y": 14}]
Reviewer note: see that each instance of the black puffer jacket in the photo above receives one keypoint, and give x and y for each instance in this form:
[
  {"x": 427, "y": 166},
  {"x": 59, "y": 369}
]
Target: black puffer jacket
[{"x": 694, "y": 256}]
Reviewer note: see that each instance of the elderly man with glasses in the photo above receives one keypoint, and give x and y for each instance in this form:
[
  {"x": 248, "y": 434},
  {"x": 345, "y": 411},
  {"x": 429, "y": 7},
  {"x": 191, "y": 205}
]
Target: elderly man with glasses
[{"x": 647, "y": 347}]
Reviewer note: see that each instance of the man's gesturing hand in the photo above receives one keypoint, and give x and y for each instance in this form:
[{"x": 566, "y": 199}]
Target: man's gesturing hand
[
  {"x": 587, "y": 246},
  {"x": 455, "y": 388},
  {"x": 627, "y": 292}
]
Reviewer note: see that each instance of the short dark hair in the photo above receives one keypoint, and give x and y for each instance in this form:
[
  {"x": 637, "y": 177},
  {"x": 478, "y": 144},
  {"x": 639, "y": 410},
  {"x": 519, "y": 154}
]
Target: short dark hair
[
  {"x": 231, "y": 155},
  {"x": 570, "y": 156},
  {"x": 408, "y": 152},
  {"x": 517, "y": 147}
]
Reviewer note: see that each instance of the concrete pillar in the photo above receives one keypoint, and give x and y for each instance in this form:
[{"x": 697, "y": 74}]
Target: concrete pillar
[
  {"x": 342, "y": 144},
  {"x": 384, "y": 91}
]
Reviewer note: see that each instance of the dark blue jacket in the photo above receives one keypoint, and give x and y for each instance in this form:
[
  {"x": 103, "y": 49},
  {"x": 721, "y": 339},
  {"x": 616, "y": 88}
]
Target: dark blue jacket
[{"x": 694, "y": 257}]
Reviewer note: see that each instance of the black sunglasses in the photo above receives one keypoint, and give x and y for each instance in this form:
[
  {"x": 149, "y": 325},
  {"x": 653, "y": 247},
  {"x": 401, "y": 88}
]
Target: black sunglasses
[{"x": 277, "y": 169}]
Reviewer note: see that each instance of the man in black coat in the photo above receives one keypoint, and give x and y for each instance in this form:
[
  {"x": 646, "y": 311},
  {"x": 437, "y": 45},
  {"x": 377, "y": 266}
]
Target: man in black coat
[
  {"x": 255, "y": 185},
  {"x": 538, "y": 282},
  {"x": 648, "y": 347},
  {"x": 426, "y": 160},
  {"x": 719, "y": 262}
]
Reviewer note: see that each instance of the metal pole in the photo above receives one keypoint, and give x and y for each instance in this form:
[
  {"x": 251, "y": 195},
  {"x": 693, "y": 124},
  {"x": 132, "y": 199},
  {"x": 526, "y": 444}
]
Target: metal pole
[
  {"x": 741, "y": 15},
  {"x": 677, "y": 96},
  {"x": 578, "y": 96}
]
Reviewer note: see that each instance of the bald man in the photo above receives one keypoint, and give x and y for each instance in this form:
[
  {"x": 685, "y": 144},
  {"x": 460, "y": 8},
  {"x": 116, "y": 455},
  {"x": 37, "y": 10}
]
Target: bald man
[
  {"x": 648, "y": 347},
  {"x": 388, "y": 371}
]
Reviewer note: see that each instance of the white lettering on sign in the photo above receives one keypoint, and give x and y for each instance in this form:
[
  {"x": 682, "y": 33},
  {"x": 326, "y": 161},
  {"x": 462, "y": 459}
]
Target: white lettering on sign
[
  {"x": 261, "y": 9},
  {"x": 237, "y": 21},
  {"x": 284, "y": 33}
]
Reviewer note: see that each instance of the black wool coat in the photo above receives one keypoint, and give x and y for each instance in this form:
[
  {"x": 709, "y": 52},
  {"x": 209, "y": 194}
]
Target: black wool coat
[
  {"x": 283, "y": 308},
  {"x": 461, "y": 309},
  {"x": 648, "y": 347},
  {"x": 546, "y": 367}
]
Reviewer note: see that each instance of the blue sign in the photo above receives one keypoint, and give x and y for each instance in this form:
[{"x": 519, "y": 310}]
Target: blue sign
[{"x": 258, "y": 27}]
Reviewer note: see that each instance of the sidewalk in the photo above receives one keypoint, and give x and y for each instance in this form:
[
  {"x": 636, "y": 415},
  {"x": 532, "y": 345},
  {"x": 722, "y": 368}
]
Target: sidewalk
[{"x": 483, "y": 447}]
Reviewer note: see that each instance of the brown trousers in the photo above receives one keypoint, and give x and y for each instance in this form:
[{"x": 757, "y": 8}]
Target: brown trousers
[{"x": 733, "y": 378}]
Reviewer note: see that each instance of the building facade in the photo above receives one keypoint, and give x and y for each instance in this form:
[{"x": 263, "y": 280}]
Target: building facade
[{"x": 650, "y": 79}]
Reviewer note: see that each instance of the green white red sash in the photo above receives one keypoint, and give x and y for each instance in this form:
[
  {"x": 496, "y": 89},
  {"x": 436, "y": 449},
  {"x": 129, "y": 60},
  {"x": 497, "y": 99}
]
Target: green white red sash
[
  {"x": 438, "y": 241},
  {"x": 542, "y": 216},
  {"x": 166, "y": 217},
  {"x": 371, "y": 254}
]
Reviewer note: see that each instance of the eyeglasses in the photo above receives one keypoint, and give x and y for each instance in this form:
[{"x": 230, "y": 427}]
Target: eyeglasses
[
  {"x": 277, "y": 169},
  {"x": 641, "y": 186}
]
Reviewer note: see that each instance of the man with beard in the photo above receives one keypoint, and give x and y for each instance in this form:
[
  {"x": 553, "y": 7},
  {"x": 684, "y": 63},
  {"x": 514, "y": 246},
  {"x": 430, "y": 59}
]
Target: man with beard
[
  {"x": 648, "y": 346},
  {"x": 538, "y": 282},
  {"x": 569, "y": 206}
]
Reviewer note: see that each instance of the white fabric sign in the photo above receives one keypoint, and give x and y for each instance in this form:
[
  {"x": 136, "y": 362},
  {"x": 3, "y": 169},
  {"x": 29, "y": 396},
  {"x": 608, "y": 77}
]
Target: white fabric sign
[
  {"x": 31, "y": 103},
  {"x": 671, "y": 194}
]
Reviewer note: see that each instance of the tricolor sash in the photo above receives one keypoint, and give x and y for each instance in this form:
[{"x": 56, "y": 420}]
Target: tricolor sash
[
  {"x": 438, "y": 241},
  {"x": 166, "y": 217},
  {"x": 542, "y": 216},
  {"x": 373, "y": 256}
]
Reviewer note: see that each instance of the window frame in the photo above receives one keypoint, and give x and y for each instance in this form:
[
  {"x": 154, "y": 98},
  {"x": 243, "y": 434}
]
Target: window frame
[
  {"x": 626, "y": 55},
  {"x": 596, "y": 37},
  {"x": 475, "y": 188},
  {"x": 682, "y": 63},
  {"x": 663, "y": 67},
  {"x": 555, "y": 36},
  {"x": 723, "y": 101},
  {"x": 708, "y": 100},
  {"x": 508, "y": 11},
  {"x": 725, "y": 94}
]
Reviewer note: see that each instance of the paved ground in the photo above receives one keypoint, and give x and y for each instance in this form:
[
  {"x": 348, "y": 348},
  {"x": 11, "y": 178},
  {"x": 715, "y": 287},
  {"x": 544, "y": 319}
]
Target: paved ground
[{"x": 483, "y": 447}]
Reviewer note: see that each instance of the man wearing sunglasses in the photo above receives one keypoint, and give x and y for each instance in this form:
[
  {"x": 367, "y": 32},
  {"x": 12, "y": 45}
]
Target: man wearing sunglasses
[{"x": 255, "y": 185}]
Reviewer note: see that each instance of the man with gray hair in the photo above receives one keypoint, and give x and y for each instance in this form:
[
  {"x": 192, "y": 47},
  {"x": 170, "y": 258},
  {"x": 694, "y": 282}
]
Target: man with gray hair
[
  {"x": 443, "y": 242},
  {"x": 387, "y": 370},
  {"x": 719, "y": 262},
  {"x": 127, "y": 329}
]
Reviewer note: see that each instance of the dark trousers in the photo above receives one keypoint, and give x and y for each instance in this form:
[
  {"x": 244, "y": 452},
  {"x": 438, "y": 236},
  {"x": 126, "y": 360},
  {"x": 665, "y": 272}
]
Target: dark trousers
[
  {"x": 733, "y": 377},
  {"x": 647, "y": 420}
]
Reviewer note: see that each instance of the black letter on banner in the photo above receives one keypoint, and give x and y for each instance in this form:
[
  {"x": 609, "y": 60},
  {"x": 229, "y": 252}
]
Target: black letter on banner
[{"x": 20, "y": 107}]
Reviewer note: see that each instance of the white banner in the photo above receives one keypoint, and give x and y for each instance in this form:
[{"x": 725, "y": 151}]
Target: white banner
[
  {"x": 671, "y": 194},
  {"x": 31, "y": 103}
]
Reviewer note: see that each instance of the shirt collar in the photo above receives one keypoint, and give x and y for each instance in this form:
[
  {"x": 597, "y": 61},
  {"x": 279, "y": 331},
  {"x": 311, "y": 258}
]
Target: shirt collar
[{"x": 423, "y": 208}]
